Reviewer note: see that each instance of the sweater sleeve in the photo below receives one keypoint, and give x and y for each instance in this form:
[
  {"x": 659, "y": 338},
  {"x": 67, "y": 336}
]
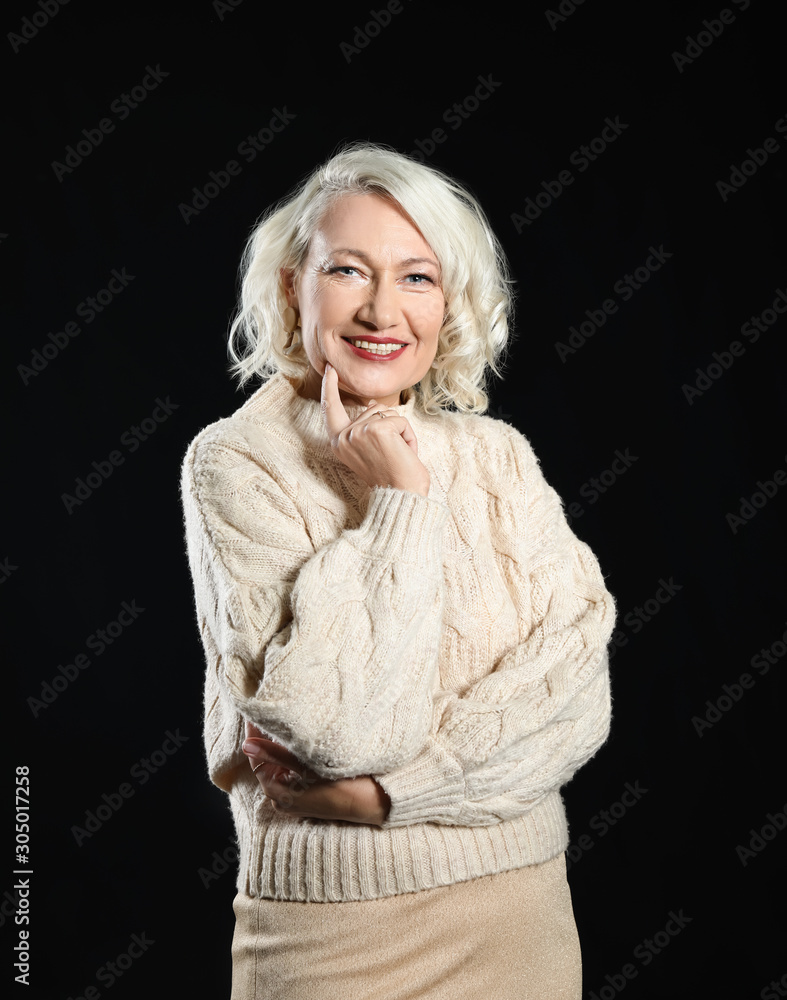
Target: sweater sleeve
[
  {"x": 545, "y": 707},
  {"x": 332, "y": 652}
]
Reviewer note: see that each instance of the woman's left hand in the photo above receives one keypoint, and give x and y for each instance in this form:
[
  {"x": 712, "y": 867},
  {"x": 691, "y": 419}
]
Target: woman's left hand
[{"x": 295, "y": 790}]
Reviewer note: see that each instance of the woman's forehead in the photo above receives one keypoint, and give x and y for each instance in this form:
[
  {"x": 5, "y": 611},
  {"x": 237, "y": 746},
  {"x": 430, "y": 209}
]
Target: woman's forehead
[{"x": 368, "y": 225}]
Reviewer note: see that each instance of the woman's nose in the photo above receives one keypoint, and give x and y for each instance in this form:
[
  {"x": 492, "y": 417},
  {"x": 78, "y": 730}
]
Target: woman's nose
[{"x": 381, "y": 308}]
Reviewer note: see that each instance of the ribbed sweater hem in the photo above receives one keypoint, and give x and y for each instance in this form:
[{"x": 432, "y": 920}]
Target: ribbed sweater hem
[{"x": 314, "y": 861}]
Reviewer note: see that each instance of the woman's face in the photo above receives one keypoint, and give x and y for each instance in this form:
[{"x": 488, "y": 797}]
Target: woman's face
[{"x": 369, "y": 276}]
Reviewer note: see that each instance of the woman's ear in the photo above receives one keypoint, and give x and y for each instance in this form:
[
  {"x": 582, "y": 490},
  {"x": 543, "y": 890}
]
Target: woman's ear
[{"x": 288, "y": 284}]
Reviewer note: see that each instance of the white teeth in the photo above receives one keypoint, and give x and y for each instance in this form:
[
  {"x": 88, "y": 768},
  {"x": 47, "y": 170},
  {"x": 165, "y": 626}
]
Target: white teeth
[{"x": 376, "y": 348}]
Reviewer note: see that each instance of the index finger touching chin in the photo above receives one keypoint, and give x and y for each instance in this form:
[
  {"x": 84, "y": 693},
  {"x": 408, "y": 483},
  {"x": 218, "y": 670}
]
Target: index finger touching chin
[{"x": 333, "y": 412}]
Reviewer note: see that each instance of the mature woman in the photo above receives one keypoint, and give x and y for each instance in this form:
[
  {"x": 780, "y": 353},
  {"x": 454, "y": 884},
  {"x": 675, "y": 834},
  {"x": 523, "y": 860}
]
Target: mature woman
[{"x": 393, "y": 609}]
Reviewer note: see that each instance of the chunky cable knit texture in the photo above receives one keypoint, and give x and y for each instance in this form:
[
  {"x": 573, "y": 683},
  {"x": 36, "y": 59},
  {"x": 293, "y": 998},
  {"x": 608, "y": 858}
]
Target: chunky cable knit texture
[{"x": 454, "y": 646}]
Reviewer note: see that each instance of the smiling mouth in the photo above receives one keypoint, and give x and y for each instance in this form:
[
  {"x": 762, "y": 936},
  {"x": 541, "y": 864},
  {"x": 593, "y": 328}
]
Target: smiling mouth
[{"x": 375, "y": 347}]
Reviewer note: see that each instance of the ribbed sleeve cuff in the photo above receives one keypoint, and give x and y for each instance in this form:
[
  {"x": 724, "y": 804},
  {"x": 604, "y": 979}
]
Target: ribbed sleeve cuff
[
  {"x": 402, "y": 525},
  {"x": 429, "y": 788}
]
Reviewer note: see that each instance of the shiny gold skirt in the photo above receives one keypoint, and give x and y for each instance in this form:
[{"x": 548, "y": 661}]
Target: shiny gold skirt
[{"x": 510, "y": 936}]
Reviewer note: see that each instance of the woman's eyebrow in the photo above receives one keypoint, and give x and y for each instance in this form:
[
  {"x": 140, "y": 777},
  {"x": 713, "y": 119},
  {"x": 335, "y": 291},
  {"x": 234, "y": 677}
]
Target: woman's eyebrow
[{"x": 408, "y": 262}]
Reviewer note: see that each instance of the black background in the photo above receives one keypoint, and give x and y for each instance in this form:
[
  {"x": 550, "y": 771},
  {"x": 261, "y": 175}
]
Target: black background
[{"x": 154, "y": 865}]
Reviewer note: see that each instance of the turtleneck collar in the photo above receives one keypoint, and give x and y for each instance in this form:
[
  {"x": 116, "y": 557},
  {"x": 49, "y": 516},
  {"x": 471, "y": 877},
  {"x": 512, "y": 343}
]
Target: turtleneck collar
[{"x": 301, "y": 419}]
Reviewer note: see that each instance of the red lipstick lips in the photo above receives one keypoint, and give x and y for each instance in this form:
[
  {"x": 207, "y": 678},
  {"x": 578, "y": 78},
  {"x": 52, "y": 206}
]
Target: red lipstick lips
[
  {"x": 377, "y": 340},
  {"x": 371, "y": 355}
]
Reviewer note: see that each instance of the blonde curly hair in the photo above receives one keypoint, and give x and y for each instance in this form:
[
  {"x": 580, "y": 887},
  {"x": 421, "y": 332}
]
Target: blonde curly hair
[{"x": 476, "y": 282}]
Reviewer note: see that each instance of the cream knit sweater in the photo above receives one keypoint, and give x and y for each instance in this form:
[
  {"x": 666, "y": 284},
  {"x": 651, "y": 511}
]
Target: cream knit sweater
[{"x": 453, "y": 646}]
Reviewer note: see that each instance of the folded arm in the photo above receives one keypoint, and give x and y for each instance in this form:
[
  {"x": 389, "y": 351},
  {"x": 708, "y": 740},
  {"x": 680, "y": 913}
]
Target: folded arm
[
  {"x": 333, "y": 652},
  {"x": 544, "y": 709}
]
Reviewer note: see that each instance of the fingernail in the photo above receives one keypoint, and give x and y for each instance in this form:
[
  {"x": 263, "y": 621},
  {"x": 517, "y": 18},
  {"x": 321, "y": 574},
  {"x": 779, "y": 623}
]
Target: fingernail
[
  {"x": 251, "y": 748},
  {"x": 327, "y": 366}
]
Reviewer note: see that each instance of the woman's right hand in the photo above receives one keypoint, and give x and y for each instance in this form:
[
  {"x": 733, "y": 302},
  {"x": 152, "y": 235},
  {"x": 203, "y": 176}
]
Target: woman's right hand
[{"x": 382, "y": 452}]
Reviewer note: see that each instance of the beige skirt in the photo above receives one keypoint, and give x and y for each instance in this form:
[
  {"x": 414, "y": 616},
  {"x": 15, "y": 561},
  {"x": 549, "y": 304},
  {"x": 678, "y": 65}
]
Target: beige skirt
[{"x": 510, "y": 936}]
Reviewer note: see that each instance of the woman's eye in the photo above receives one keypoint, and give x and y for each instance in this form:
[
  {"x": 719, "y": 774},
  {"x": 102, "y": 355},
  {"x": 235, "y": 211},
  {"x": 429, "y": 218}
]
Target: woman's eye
[
  {"x": 342, "y": 269},
  {"x": 421, "y": 278}
]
